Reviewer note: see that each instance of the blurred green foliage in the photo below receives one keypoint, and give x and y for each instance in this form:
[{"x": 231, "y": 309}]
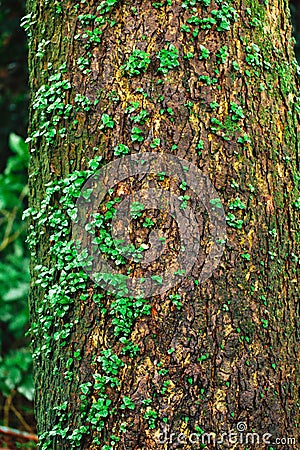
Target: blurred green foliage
[
  {"x": 15, "y": 358},
  {"x": 295, "y": 11}
]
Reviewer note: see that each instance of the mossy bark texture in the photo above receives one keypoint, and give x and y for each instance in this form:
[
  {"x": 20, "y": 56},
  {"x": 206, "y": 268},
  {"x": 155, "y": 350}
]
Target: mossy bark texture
[{"x": 215, "y": 83}]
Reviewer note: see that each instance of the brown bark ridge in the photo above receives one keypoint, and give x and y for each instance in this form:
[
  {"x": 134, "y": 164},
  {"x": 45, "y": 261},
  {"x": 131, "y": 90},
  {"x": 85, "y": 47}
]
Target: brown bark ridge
[{"x": 214, "y": 83}]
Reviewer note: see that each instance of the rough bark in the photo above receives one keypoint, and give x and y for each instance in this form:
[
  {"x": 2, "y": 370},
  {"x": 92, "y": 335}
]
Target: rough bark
[{"x": 235, "y": 356}]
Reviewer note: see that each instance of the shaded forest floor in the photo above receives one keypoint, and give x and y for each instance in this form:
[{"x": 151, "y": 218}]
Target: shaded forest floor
[{"x": 16, "y": 414}]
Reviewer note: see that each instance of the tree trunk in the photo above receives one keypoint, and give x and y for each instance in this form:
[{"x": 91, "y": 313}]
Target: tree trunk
[{"x": 214, "y": 84}]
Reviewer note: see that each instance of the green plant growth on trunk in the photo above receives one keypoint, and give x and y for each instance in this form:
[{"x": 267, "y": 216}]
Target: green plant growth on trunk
[{"x": 212, "y": 82}]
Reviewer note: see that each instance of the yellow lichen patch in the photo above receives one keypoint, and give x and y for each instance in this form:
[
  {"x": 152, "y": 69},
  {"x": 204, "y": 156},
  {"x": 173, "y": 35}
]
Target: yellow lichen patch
[
  {"x": 280, "y": 170},
  {"x": 280, "y": 131},
  {"x": 228, "y": 329},
  {"x": 220, "y": 401},
  {"x": 262, "y": 184},
  {"x": 256, "y": 284},
  {"x": 156, "y": 124},
  {"x": 250, "y": 238},
  {"x": 187, "y": 360},
  {"x": 254, "y": 379},
  {"x": 251, "y": 269},
  {"x": 96, "y": 337},
  {"x": 237, "y": 166},
  {"x": 174, "y": 395},
  {"x": 194, "y": 120}
]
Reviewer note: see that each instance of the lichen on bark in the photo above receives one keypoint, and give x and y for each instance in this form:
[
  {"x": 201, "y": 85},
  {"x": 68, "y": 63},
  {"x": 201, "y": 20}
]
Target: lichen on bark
[{"x": 214, "y": 83}]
